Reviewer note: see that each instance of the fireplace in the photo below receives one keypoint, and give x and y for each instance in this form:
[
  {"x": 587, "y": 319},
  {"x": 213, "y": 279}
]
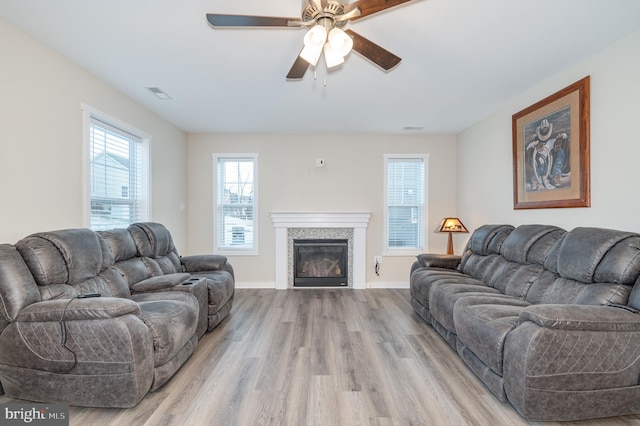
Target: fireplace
[
  {"x": 307, "y": 225},
  {"x": 320, "y": 262}
]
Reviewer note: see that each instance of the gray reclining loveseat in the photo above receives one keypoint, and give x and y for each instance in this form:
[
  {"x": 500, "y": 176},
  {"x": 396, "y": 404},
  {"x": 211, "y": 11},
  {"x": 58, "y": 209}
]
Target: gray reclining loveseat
[
  {"x": 101, "y": 318},
  {"x": 547, "y": 319}
]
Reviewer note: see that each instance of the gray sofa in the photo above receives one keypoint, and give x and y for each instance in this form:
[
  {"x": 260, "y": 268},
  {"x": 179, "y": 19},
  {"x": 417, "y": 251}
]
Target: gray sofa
[
  {"x": 101, "y": 318},
  {"x": 546, "y": 319}
]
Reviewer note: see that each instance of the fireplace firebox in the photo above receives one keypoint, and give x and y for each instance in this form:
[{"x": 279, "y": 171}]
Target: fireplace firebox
[{"x": 320, "y": 263}]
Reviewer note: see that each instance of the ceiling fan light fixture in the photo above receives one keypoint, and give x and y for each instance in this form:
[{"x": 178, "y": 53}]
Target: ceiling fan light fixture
[
  {"x": 314, "y": 39},
  {"x": 332, "y": 57},
  {"x": 340, "y": 42},
  {"x": 311, "y": 54},
  {"x": 338, "y": 46}
]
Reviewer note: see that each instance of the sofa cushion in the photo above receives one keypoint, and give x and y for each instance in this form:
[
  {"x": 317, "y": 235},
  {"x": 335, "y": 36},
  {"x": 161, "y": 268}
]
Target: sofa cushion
[
  {"x": 483, "y": 249},
  {"x": 421, "y": 281},
  {"x": 67, "y": 262},
  {"x": 566, "y": 291},
  {"x": 172, "y": 318},
  {"x": 483, "y": 323},
  {"x": 488, "y": 239},
  {"x": 220, "y": 288},
  {"x": 517, "y": 279},
  {"x": 18, "y": 289},
  {"x": 66, "y": 256},
  {"x": 45, "y": 261},
  {"x": 203, "y": 262},
  {"x": 600, "y": 255},
  {"x": 155, "y": 244},
  {"x": 118, "y": 287},
  {"x": 133, "y": 270},
  {"x": 443, "y": 297},
  {"x": 121, "y": 243},
  {"x": 481, "y": 267},
  {"x": 530, "y": 243},
  {"x": 151, "y": 239}
]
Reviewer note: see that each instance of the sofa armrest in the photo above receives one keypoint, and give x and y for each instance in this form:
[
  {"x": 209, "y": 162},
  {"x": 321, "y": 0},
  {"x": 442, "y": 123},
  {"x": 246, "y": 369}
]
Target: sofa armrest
[
  {"x": 562, "y": 360},
  {"x": 160, "y": 282},
  {"x": 203, "y": 262},
  {"x": 93, "y": 336},
  {"x": 447, "y": 261},
  {"x": 581, "y": 317},
  {"x": 78, "y": 309}
]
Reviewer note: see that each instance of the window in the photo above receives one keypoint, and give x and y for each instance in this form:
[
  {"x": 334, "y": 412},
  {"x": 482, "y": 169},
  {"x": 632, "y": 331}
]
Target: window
[
  {"x": 405, "y": 187},
  {"x": 236, "y": 203},
  {"x": 118, "y": 182}
]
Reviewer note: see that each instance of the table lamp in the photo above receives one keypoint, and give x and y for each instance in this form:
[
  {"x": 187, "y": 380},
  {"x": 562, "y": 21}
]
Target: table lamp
[{"x": 450, "y": 225}]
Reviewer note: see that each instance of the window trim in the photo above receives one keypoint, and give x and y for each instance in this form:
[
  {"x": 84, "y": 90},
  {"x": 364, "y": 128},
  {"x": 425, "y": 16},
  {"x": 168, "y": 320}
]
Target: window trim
[
  {"x": 89, "y": 112},
  {"x": 228, "y": 251},
  {"x": 390, "y": 251}
]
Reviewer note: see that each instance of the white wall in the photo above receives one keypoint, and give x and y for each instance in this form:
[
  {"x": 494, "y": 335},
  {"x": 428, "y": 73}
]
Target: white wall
[
  {"x": 41, "y": 142},
  {"x": 485, "y": 166},
  {"x": 351, "y": 180}
]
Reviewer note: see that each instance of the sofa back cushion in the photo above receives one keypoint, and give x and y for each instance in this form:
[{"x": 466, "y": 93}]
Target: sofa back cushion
[
  {"x": 155, "y": 244},
  {"x": 530, "y": 243},
  {"x": 152, "y": 239},
  {"x": 67, "y": 262},
  {"x": 593, "y": 255},
  {"x": 488, "y": 239},
  {"x": 131, "y": 267},
  {"x": 18, "y": 289},
  {"x": 595, "y": 266},
  {"x": 482, "y": 251},
  {"x": 522, "y": 255},
  {"x": 120, "y": 243}
]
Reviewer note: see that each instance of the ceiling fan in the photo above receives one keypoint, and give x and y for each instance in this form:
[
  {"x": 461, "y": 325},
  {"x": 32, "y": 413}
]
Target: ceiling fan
[{"x": 324, "y": 20}]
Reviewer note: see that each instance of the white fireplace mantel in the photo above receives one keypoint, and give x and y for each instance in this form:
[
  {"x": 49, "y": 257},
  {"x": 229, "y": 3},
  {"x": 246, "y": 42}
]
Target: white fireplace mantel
[{"x": 358, "y": 221}]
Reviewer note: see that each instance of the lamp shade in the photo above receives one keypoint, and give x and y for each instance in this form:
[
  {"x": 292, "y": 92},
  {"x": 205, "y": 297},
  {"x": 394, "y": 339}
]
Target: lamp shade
[{"x": 451, "y": 224}]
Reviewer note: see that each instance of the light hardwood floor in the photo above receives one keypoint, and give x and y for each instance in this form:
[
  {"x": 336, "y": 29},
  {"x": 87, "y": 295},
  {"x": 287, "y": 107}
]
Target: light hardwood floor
[{"x": 320, "y": 357}]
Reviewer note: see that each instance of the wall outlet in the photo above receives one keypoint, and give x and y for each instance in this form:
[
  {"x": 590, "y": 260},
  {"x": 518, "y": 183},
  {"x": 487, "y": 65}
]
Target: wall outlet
[{"x": 378, "y": 260}]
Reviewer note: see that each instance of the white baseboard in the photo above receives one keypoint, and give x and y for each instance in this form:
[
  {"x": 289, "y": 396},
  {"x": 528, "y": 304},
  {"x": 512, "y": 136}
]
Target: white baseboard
[
  {"x": 388, "y": 284},
  {"x": 256, "y": 284}
]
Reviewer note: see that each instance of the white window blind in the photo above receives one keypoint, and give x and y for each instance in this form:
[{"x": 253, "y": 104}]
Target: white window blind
[
  {"x": 405, "y": 203},
  {"x": 118, "y": 176},
  {"x": 236, "y": 226}
]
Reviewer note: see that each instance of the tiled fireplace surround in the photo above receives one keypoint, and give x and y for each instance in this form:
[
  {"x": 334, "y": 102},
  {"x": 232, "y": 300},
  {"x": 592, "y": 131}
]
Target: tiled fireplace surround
[{"x": 351, "y": 226}]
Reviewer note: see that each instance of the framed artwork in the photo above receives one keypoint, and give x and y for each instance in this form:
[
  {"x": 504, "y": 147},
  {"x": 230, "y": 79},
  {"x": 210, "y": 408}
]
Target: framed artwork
[{"x": 551, "y": 151}]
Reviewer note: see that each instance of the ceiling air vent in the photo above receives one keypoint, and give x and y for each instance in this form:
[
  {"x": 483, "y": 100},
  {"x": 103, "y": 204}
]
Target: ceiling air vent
[{"x": 159, "y": 93}]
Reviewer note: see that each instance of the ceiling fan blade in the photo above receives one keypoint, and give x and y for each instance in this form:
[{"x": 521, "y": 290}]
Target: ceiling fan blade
[
  {"x": 317, "y": 4},
  {"x": 376, "y": 54},
  {"x": 220, "y": 20},
  {"x": 298, "y": 69},
  {"x": 369, "y": 7},
  {"x": 349, "y": 15}
]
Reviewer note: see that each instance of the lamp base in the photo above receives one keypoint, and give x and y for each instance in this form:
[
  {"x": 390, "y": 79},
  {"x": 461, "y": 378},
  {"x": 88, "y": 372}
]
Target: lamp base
[{"x": 450, "y": 244}]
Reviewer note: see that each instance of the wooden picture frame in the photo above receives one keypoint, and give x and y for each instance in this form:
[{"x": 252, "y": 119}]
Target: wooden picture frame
[{"x": 551, "y": 158}]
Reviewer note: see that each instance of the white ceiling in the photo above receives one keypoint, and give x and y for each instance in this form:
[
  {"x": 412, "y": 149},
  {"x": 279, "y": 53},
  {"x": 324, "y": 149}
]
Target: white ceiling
[{"x": 461, "y": 59}]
